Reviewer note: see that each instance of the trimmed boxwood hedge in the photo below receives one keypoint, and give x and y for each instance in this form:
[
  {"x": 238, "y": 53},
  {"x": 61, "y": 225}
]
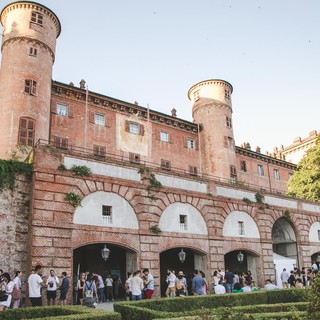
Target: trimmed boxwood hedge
[
  {"x": 59, "y": 313},
  {"x": 200, "y": 305}
]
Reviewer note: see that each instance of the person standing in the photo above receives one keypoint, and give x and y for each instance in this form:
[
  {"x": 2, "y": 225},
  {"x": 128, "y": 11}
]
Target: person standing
[
  {"x": 229, "y": 280},
  {"x": 64, "y": 288},
  {"x": 197, "y": 283},
  {"x": 80, "y": 287},
  {"x": 149, "y": 283},
  {"x": 52, "y": 283},
  {"x": 284, "y": 278},
  {"x": 100, "y": 289},
  {"x": 136, "y": 286},
  {"x": 171, "y": 281},
  {"x": 16, "y": 293},
  {"x": 35, "y": 283},
  {"x": 109, "y": 287},
  {"x": 8, "y": 285}
]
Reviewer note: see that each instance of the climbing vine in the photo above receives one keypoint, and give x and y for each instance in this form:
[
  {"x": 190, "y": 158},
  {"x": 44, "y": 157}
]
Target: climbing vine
[{"x": 9, "y": 169}]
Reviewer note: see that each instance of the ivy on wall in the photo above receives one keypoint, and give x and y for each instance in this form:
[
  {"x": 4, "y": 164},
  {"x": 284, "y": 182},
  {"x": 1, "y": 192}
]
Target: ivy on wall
[{"x": 9, "y": 169}]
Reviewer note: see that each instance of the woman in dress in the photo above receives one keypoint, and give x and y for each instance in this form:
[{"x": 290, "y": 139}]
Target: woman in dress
[
  {"x": 80, "y": 286},
  {"x": 7, "y": 285},
  {"x": 16, "y": 294},
  {"x": 205, "y": 286}
]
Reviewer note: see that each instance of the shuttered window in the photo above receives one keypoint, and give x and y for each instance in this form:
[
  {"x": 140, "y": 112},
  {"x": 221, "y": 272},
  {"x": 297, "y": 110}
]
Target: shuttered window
[{"x": 26, "y": 131}]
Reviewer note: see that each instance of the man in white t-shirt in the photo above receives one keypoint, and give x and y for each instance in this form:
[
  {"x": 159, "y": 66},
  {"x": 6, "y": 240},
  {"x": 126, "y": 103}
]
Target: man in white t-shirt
[
  {"x": 284, "y": 278},
  {"x": 136, "y": 286},
  {"x": 52, "y": 283},
  {"x": 35, "y": 283},
  {"x": 171, "y": 281},
  {"x": 219, "y": 288}
]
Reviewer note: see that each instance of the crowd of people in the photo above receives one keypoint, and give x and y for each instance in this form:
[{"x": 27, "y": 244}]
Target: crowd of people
[{"x": 91, "y": 288}]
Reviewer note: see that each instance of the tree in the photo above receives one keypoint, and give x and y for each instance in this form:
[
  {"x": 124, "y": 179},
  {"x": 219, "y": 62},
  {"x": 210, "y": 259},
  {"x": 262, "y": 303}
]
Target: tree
[{"x": 305, "y": 182}]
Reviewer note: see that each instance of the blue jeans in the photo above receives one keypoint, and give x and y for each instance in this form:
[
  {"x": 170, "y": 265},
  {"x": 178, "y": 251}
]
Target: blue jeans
[
  {"x": 229, "y": 287},
  {"x": 101, "y": 295},
  {"x": 137, "y": 297}
]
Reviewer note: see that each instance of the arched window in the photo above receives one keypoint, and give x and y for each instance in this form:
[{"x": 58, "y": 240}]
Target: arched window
[{"x": 26, "y": 131}]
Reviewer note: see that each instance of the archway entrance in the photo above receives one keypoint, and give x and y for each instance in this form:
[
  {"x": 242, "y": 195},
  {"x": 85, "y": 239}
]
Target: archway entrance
[
  {"x": 242, "y": 261},
  {"x": 284, "y": 239},
  {"x": 120, "y": 261},
  {"x": 170, "y": 259}
]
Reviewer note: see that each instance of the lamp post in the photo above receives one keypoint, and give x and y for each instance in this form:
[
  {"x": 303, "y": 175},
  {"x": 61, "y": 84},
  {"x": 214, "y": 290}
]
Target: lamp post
[
  {"x": 182, "y": 256},
  {"x": 105, "y": 253},
  {"x": 240, "y": 256}
]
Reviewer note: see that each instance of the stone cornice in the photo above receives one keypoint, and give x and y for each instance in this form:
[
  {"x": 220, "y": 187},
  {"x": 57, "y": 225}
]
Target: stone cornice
[
  {"x": 102, "y": 101},
  {"x": 29, "y": 39},
  {"x": 33, "y": 6},
  {"x": 265, "y": 158}
]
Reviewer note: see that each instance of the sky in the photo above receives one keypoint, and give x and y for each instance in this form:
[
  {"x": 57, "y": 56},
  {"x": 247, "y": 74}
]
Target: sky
[{"x": 153, "y": 52}]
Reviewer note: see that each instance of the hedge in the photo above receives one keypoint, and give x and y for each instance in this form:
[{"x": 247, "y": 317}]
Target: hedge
[
  {"x": 199, "y": 305},
  {"x": 59, "y": 313}
]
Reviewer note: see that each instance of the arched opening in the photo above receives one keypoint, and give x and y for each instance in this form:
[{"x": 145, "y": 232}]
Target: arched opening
[
  {"x": 170, "y": 259},
  {"x": 240, "y": 261},
  {"x": 284, "y": 239},
  {"x": 120, "y": 261}
]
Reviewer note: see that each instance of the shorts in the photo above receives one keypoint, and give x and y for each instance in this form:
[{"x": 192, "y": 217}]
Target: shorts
[
  {"x": 63, "y": 295},
  {"x": 51, "y": 294}
]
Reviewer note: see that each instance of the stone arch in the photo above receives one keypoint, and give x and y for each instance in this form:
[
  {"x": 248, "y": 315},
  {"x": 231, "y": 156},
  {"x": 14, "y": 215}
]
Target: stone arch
[
  {"x": 240, "y": 224},
  {"x": 90, "y": 211},
  {"x": 314, "y": 232},
  {"x": 171, "y": 218}
]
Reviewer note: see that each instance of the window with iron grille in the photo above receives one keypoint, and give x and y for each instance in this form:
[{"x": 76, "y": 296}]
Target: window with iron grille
[
  {"x": 61, "y": 143},
  {"x": 26, "y": 131},
  {"x": 99, "y": 151},
  {"x": 36, "y": 17},
  {"x": 243, "y": 166},
  {"x": 241, "y": 228},
  {"x": 30, "y": 87},
  {"x": 183, "y": 222},
  {"x": 106, "y": 214},
  {"x": 165, "y": 165}
]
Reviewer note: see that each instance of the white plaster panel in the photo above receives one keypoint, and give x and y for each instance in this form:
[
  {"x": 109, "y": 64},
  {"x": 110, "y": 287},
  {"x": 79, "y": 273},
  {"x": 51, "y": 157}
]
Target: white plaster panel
[
  {"x": 182, "y": 183},
  {"x": 104, "y": 169},
  {"x": 123, "y": 216},
  {"x": 281, "y": 202},
  {"x": 231, "y": 226},
  {"x": 130, "y": 142},
  {"x": 311, "y": 207},
  {"x": 170, "y": 219},
  {"x": 235, "y": 194},
  {"x": 313, "y": 233}
]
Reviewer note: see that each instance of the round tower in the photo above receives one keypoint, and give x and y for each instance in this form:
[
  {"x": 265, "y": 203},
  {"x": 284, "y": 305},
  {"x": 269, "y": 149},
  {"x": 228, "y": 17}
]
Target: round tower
[
  {"x": 212, "y": 110},
  {"x": 29, "y": 33}
]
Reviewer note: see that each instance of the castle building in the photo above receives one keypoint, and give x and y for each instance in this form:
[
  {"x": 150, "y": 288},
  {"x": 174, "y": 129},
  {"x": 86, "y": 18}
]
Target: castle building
[{"x": 164, "y": 192}]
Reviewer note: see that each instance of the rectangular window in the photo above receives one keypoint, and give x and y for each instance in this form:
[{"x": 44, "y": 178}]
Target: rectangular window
[
  {"x": 193, "y": 170},
  {"x": 26, "y": 132},
  {"x": 99, "y": 119},
  {"x": 196, "y": 95},
  {"x": 30, "y": 87},
  {"x": 226, "y": 93},
  {"x": 62, "y": 110},
  {"x": 37, "y": 18},
  {"x": 164, "y": 136},
  {"x": 228, "y": 122},
  {"x": 165, "y": 165},
  {"x": 33, "y": 51},
  {"x": 243, "y": 166},
  {"x": 229, "y": 142},
  {"x": 191, "y": 144},
  {"x": 106, "y": 214},
  {"x": 319, "y": 235},
  {"x": 241, "y": 228},
  {"x": 233, "y": 174},
  {"x": 260, "y": 170},
  {"x": 276, "y": 174},
  {"x": 99, "y": 151},
  {"x": 134, "y": 127},
  {"x": 134, "y": 157},
  {"x": 183, "y": 222},
  {"x": 61, "y": 143}
]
